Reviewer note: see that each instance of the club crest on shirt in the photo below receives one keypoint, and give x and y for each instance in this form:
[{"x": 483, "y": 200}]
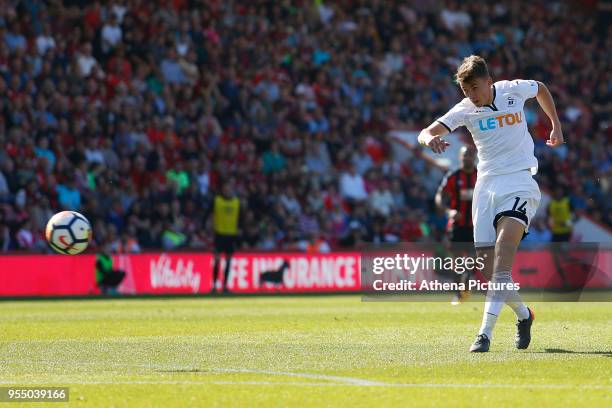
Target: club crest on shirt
[{"x": 510, "y": 101}]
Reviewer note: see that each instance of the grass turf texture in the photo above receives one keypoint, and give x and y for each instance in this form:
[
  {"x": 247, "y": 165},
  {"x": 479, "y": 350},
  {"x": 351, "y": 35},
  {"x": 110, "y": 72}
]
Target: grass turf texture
[{"x": 306, "y": 351}]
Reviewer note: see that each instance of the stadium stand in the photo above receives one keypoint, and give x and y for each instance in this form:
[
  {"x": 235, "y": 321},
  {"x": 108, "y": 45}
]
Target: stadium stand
[{"x": 135, "y": 112}]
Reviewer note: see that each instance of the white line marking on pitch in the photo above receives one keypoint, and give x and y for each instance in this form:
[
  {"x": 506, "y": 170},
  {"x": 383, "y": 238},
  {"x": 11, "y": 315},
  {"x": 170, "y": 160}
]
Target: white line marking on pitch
[
  {"x": 348, "y": 380},
  {"x": 332, "y": 380},
  {"x": 186, "y": 369}
]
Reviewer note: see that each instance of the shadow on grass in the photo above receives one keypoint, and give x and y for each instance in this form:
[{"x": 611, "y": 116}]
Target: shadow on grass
[{"x": 562, "y": 351}]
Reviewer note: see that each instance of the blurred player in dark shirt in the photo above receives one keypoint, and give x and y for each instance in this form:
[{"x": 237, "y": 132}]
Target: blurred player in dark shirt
[{"x": 455, "y": 197}]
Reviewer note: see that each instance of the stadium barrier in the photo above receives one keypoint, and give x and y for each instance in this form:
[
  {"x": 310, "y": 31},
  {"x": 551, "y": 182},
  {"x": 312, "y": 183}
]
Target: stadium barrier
[
  {"x": 178, "y": 273},
  {"x": 191, "y": 273}
]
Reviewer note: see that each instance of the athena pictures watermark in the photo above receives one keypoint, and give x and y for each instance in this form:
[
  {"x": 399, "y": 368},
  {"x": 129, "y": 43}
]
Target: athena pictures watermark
[
  {"x": 437, "y": 271},
  {"x": 435, "y": 285}
]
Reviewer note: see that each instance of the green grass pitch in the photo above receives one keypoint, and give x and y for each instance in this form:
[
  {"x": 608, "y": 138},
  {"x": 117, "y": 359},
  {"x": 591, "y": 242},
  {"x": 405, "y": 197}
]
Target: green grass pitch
[{"x": 303, "y": 351}]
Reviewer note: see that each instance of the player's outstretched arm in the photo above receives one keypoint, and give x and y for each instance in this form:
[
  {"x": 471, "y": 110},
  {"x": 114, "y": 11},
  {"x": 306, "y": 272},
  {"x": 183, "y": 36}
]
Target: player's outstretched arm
[
  {"x": 431, "y": 137},
  {"x": 545, "y": 100}
]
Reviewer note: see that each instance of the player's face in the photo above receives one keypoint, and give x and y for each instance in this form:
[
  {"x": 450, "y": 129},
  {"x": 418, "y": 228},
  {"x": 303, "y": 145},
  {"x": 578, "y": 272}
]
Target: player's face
[
  {"x": 478, "y": 90},
  {"x": 467, "y": 157}
]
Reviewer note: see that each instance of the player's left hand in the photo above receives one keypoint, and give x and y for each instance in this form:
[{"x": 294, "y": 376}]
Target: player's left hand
[{"x": 556, "y": 137}]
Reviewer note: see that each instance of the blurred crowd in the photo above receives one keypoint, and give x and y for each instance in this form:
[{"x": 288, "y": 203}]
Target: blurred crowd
[{"x": 136, "y": 112}]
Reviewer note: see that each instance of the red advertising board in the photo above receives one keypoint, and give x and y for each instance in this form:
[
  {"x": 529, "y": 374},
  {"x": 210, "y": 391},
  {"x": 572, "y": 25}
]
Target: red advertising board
[
  {"x": 191, "y": 273},
  {"x": 163, "y": 273},
  {"x": 572, "y": 268},
  {"x": 178, "y": 273},
  {"x": 47, "y": 275},
  {"x": 306, "y": 272}
]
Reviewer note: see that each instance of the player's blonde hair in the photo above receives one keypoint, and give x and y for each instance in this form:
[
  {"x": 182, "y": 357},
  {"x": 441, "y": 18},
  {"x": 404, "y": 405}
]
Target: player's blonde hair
[{"x": 471, "y": 68}]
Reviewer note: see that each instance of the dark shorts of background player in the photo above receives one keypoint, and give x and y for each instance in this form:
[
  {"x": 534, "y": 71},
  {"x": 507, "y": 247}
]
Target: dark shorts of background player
[
  {"x": 561, "y": 237},
  {"x": 225, "y": 244},
  {"x": 113, "y": 278},
  {"x": 461, "y": 234},
  {"x": 110, "y": 281}
]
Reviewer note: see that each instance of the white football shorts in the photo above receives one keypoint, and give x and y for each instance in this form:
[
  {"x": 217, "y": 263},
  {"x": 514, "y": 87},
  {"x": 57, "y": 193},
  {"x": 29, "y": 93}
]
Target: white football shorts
[{"x": 515, "y": 195}]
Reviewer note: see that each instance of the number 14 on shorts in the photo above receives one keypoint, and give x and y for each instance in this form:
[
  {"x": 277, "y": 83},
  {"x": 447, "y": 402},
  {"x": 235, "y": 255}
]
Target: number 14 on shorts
[{"x": 520, "y": 208}]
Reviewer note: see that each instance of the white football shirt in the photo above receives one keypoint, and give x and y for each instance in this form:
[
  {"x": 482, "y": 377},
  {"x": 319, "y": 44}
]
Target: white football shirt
[{"x": 499, "y": 130}]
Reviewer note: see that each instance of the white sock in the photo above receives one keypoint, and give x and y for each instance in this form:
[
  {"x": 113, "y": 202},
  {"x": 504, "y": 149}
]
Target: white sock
[
  {"x": 494, "y": 304},
  {"x": 492, "y": 309},
  {"x": 519, "y": 307},
  {"x": 512, "y": 297},
  {"x": 488, "y": 323}
]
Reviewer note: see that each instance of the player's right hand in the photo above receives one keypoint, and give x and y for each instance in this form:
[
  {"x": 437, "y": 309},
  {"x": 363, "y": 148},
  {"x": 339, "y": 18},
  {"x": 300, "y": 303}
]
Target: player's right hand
[{"x": 437, "y": 145}]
